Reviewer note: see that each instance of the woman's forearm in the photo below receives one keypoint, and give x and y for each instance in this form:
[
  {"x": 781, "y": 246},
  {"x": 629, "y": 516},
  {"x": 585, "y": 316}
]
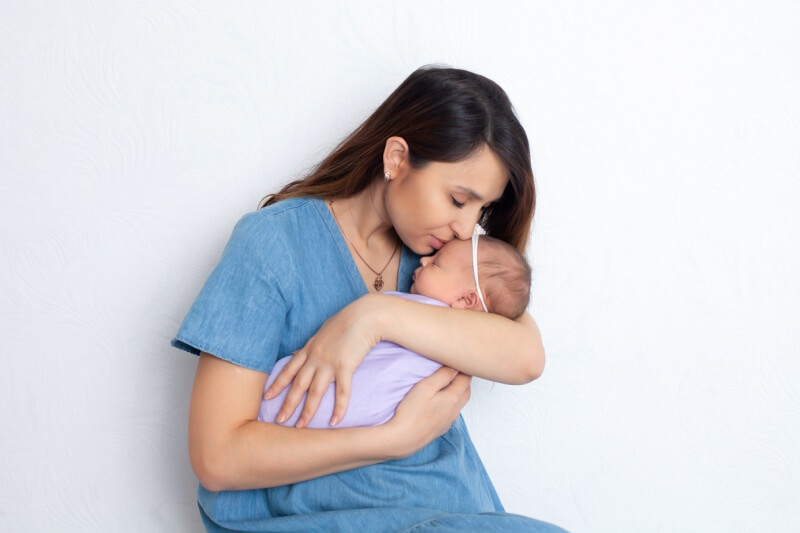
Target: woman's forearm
[
  {"x": 292, "y": 455},
  {"x": 230, "y": 450},
  {"x": 479, "y": 344}
]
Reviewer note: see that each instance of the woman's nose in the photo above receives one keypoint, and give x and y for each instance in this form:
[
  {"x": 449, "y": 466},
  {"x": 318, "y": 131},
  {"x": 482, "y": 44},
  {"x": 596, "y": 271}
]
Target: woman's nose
[{"x": 464, "y": 225}]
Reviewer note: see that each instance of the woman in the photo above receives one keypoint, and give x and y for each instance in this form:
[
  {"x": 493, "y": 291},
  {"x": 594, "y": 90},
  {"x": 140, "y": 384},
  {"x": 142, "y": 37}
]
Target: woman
[{"x": 301, "y": 276}]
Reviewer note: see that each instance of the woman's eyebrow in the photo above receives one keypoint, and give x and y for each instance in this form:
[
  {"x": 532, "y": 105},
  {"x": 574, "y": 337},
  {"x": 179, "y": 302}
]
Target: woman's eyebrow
[{"x": 470, "y": 192}]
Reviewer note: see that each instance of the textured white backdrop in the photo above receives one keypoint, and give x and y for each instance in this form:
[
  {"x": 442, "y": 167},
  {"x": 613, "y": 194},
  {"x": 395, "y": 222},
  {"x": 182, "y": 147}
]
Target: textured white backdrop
[{"x": 665, "y": 144}]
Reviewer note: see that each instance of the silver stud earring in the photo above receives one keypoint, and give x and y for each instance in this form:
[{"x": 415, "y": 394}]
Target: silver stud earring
[{"x": 387, "y": 175}]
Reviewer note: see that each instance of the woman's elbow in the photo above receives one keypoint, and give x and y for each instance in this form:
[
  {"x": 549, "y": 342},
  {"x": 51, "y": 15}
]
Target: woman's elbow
[
  {"x": 534, "y": 366},
  {"x": 532, "y": 361},
  {"x": 209, "y": 467}
]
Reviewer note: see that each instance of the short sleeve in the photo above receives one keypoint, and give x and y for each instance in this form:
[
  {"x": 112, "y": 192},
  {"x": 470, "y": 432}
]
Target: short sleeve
[{"x": 240, "y": 313}]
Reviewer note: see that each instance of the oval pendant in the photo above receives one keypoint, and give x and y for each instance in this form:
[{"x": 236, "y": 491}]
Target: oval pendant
[{"x": 378, "y": 283}]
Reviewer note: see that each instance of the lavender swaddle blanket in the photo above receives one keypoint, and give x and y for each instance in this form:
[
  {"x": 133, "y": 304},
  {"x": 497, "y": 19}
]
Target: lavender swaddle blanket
[{"x": 379, "y": 384}]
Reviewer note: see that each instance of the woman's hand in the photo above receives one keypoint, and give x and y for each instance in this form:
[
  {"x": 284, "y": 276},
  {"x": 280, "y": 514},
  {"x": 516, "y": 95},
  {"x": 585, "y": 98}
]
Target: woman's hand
[
  {"x": 332, "y": 354},
  {"x": 429, "y": 409}
]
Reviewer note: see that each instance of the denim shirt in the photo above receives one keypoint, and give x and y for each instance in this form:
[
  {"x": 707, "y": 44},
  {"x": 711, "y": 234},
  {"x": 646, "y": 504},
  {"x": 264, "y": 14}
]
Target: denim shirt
[{"x": 284, "y": 271}]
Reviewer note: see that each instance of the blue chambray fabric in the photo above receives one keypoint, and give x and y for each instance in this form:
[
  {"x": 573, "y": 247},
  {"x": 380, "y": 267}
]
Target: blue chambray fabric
[{"x": 284, "y": 271}]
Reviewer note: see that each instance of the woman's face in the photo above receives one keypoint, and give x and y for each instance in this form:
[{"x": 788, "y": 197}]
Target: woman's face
[{"x": 443, "y": 201}]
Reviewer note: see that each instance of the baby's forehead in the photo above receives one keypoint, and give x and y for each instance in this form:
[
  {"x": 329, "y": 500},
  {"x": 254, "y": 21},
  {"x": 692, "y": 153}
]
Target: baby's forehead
[{"x": 458, "y": 250}]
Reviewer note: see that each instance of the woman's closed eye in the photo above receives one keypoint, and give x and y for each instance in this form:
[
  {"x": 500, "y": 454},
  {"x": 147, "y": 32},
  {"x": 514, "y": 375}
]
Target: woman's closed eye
[{"x": 456, "y": 202}]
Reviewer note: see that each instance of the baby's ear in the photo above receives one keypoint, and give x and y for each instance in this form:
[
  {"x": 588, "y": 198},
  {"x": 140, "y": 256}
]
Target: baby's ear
[{"x": 468, "y": 300}]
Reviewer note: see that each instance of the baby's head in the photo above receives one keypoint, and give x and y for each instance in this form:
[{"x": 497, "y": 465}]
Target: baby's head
[{"x": 503, "y": 274}]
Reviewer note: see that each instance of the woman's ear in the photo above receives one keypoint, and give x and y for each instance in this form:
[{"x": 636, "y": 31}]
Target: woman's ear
[{"x": 395, "y": 158}]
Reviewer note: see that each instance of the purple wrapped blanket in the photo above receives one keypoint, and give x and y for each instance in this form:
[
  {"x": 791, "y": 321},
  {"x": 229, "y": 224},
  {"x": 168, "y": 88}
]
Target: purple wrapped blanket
[{"x": 379, "y": 383}]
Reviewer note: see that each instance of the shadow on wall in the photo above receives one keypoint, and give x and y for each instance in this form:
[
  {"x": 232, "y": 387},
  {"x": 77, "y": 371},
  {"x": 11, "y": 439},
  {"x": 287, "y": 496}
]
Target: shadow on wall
[{"x": 178, "y": 512}]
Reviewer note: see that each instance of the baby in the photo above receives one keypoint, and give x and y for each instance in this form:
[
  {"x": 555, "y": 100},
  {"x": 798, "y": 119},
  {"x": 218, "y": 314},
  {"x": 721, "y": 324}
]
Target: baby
[{"x": 496, "y": 280}]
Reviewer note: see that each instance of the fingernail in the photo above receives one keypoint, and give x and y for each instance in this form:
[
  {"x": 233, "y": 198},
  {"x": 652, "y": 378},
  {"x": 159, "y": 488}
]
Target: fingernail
[
  {"x": 281, "y": 418},
  {"x": 300, "y": 423},
  {"x": 269, "y": 394},
  {"x": 335, "y": 420}
]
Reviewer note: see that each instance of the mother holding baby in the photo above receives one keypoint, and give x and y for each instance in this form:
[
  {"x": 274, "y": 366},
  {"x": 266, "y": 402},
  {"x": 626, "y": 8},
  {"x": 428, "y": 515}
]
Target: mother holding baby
[{"x": 302, "y": 275}]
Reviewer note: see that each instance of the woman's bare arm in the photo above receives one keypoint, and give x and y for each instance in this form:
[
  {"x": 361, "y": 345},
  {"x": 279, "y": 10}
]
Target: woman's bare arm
[
  {"x": 479, "y": 344},
  {"x": 230, "y": 450}
]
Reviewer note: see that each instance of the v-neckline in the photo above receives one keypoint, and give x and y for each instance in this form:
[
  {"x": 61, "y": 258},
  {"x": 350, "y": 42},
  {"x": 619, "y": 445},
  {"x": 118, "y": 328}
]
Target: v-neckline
[{"x": 354, "y": 274}]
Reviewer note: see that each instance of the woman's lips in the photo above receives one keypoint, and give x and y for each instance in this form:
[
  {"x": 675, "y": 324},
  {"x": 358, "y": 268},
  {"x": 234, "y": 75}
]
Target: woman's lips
[{"x": 436, "y": 243}]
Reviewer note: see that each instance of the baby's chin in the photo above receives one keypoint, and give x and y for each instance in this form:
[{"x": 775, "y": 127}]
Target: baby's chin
[{"x": 413, "y": 289}]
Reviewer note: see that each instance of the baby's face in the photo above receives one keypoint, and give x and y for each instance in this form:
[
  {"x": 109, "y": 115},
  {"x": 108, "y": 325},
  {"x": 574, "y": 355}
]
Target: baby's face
[{"x": 447, "y": 274}]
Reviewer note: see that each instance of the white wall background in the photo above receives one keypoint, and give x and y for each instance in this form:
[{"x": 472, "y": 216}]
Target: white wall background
[{"x": 666, "y": 265}]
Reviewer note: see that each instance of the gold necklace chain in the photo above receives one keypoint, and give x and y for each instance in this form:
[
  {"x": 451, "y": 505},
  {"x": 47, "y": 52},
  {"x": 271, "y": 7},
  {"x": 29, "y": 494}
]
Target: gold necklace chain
[{"x": 378, "y": 283}]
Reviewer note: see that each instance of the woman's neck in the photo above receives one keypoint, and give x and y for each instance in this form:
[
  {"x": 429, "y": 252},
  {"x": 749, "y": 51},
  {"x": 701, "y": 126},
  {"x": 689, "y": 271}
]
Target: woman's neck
[{"x": 364, "y": 217}]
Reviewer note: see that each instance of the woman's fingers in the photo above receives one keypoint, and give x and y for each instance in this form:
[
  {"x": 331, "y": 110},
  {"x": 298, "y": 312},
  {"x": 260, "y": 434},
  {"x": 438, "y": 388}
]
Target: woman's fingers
[
  {"x": 461, "y": 388},
  {"x": 464, "y": 387},
  {"x": 286, "y": 376},
  {"x": 460, "y": 384},
  {"x": 430, "y": 408},
  {"x": 299, "y": 387},
  {"x": 343, "y": 383},
  {"x": 440, "y": 379},
  {"x": 315, "y": 392},
  {"x": 340, "y": 345}
]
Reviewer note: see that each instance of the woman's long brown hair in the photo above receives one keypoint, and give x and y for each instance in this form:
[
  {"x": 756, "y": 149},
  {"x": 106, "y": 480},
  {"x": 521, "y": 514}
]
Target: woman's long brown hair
[{"x": 444, "y": 114}]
